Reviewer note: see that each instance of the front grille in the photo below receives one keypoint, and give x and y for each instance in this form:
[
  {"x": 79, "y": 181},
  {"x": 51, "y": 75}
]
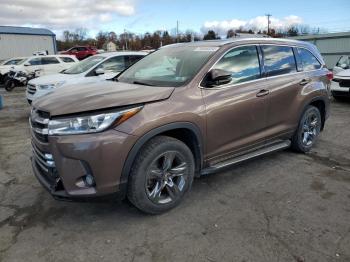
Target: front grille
[
  {"x": 31, "y": 89},
  {"x": 344, "y": 83},
  {"x": 39, "y": 121}
]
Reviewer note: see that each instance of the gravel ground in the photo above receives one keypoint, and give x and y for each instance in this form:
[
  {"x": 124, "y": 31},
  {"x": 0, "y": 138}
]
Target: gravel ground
[{"x": 281, "y": 207}]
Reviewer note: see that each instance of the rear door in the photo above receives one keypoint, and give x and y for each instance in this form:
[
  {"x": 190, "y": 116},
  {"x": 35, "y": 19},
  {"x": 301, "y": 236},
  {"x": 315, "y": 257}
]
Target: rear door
[
  {"x": 236, "y": 112},
  {"x": 284, "y": 83}
]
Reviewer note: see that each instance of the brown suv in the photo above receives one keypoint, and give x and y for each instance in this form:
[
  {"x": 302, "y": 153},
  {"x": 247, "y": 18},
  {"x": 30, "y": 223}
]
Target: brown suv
[{"x": 185, "y": 110}]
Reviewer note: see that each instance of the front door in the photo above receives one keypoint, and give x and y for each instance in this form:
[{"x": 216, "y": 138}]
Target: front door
[{"x": 236, "y": 112}]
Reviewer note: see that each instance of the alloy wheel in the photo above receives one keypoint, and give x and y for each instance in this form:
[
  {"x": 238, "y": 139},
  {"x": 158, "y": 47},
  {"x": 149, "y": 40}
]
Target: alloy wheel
[
  {"x": 310, "y": 129},
  {"x": 166, "y": 178}
]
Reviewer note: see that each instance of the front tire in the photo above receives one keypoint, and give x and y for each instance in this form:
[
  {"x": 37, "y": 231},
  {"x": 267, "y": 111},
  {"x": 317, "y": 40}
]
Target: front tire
[
  {"x": 161, "y": 175},
  {"x": 9, "y": 85},
  {"x": 308, "y": 130}
]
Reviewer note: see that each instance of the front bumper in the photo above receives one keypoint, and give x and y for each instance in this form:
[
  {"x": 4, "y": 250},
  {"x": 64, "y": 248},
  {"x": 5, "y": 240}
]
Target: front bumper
[
  {"x": 338, "y": 90},
  {"x": 101, "y": 155}
]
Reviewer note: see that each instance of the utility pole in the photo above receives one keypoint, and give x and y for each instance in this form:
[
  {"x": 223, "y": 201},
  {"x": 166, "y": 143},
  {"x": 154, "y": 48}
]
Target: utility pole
[
  {"x": 177, "y": 30},
  {"x": 268, "y": 23},
  {"x": 126, "y": 40}
]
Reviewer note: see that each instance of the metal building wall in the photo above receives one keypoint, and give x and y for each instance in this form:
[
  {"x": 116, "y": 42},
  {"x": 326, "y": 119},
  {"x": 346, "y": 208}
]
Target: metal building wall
[
  {"x": 12, "y": 45},
  {"x": 331, "y": 46}
]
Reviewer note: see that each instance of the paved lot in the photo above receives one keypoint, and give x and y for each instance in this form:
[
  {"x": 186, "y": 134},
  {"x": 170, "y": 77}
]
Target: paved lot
[{"x": 282, "y": 207}]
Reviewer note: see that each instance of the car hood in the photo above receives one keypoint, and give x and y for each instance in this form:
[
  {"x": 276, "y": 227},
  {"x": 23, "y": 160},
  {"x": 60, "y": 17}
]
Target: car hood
[
  {"x": 344, "y": 73},
  {"x": 77, "y": 98},
  {"x": 53, "y": 79}
]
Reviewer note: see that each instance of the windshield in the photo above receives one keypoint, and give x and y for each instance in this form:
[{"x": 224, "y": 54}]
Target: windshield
[
  {"x": 84, "y": 65},
  {"x": 16, "y": 61},
  {"x": 170, "y": 66}
]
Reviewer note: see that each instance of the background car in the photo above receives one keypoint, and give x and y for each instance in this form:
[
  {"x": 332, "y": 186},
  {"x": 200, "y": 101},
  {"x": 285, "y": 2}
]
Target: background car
[
  {"x": 93, "y": 69},
  {"x": 43, "y": 64},
  {"x": 81, "y": 52},
  {"x": 342, "y": 64},
  {"x": 340, "y": 85},
  {"x": 6, "y": 65}
]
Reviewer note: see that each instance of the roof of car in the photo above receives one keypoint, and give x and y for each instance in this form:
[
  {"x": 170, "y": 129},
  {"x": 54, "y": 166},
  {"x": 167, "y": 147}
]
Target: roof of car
[
  {"x": 218, "y": 43},
  {"x": 119, "y": 53}
]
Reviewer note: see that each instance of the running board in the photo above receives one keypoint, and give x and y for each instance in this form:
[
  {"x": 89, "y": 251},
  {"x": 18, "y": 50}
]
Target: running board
[{"x": 259, "y": 152}]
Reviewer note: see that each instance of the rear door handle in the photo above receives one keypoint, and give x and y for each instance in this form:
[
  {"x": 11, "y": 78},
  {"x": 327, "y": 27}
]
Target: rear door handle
[
  {"x": 305, "y": 81},
  {"x": 262, "y": 92}
]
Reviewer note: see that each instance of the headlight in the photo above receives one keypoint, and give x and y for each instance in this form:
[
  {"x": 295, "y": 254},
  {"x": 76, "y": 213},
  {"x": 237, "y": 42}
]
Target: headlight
[
  {"x": 51, "y": 86},
  {"x": 90, "y": 124}
]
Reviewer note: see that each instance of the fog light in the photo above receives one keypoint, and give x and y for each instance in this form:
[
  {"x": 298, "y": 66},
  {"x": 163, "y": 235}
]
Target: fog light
[{"x": 89, "y": 180}]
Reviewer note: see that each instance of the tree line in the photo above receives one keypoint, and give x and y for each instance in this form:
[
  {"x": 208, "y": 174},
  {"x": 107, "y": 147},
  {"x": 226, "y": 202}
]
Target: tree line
[{"x": 157, "y": 39}]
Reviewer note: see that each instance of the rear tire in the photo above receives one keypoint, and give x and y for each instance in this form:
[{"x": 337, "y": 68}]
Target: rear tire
[
  {"x": 161, "y": 175},
  {"x": 308, "y": 130}
]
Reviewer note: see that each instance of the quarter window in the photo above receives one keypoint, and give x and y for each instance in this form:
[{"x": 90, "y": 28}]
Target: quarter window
[
  {"x": 309, "y": 61},
  {"x": 278, "y": 60},
  {"x": 242, "y": 62}
]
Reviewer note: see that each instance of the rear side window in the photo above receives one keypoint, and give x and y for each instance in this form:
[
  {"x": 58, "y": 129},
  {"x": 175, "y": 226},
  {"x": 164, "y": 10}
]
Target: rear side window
[
  {"x": 308, "y": 60},
  {"x": 242, "y": 62},
  {"x": 81, "y": 48},
  {"x": 278, "y": 60},
  {"x": 67, "y": 59},
  {"x": 132, "y": 59},
  {"x": 49, "y": 60}
]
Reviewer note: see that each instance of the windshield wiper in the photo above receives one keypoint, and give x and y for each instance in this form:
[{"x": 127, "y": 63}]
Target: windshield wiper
[{"x": 142, "y": 83}]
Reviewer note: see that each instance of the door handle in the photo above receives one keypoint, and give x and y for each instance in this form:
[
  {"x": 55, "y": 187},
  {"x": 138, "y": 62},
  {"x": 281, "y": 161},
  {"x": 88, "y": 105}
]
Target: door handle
[
  {"x": 262, "y": 92},
  {"x": 305, "y": 81}
]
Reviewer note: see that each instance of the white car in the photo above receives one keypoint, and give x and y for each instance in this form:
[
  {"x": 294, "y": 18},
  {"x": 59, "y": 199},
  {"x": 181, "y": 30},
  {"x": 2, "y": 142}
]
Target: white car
[
  {"x": 6, "y": 65},
  {"x": 44, "y": 65},
  {"x": 340, "y": 85},
  {"x": 93, "y": 69},
  {"x": 342, "y": 64}
]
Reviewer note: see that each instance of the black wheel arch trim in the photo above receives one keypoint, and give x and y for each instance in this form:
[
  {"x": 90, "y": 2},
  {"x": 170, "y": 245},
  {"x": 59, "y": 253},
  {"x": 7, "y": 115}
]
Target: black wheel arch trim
[
  {"x": 326, "y": 107},
  {"x": 149, "y": 135}
]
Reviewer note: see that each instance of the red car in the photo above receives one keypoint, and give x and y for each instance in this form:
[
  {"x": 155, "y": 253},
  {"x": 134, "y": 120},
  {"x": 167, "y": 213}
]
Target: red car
[{"x": 81, "y": 52}]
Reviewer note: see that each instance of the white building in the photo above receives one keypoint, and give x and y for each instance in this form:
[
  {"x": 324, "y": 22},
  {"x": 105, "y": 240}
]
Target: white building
[
  {"x": 110, "y": 46},
  {"x": 24, "y": 41}
]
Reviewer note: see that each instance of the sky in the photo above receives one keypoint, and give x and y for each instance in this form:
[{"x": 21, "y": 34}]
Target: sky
[{"x": 141, "y": 16}]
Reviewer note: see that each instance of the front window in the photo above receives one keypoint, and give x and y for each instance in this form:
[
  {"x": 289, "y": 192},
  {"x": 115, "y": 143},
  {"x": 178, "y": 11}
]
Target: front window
[
  {"x": 49, "y": 60},
  {"x": 344, "y": 62},
  {"x": 84, "y": 65},
  {"x": 114, "y": 64},
  {"x": 169, "y": 66},
  {"x": 242, "y": 63}
]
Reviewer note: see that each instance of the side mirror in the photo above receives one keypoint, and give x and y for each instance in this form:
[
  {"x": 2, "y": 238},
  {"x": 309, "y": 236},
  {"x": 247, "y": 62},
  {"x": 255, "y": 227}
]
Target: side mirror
[
  {"x": 99, "y": 71},
  {"x": 217, "y": 77},
  {"x": 26, "y": 64}
]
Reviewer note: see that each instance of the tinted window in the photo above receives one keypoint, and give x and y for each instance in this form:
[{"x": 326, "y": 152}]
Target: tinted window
[
  {"x": 309, "y": 61},
  {"x": 49, "y": 60},
  {"x": 35, "y": 61},
  {"x": 81, "y": 48},
  {"x": 67, "y": 59},
  {"x": 242, "y": 62},
  {"x": 114, "y": 64},
  {"x": 278, "y": 60}
]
